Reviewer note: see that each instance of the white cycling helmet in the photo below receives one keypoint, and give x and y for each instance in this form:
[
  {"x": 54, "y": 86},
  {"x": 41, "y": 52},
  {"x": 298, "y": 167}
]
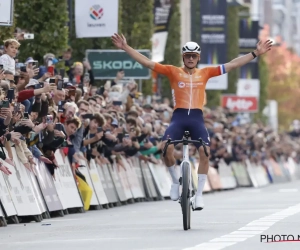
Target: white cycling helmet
[{"x": 191, "y": 47}]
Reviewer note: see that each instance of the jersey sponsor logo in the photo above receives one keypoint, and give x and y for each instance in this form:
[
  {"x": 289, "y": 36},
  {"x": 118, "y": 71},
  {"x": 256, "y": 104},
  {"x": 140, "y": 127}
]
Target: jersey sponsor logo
[
  {"x": 194, "y": 84},
  {"x": 181, "y": 85},
  {"x": 196, "y": 77}
]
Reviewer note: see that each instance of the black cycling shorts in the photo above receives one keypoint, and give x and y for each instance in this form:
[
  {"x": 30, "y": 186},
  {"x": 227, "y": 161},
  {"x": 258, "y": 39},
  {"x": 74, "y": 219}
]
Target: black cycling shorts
[{"x": 193, "y": 122}]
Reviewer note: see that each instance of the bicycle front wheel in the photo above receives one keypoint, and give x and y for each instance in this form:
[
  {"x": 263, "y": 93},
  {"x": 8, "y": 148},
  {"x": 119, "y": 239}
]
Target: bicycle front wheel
[{"x": 185, "y": 196}]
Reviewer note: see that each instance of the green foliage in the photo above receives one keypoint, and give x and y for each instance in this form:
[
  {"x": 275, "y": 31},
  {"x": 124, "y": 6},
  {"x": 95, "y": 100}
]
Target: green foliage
[
  {"x": 137, "y": 27},
  {"x": 7, "y": 32},
  {"x": 232, "y": 45},
  {"x": 264, "y": 80},
  {"x": 47, "y": 20},
  {"x": 173, "y": 48}
]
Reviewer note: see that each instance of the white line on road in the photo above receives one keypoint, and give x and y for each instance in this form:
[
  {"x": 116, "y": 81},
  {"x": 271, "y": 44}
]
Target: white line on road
[
  {"x": 286, "y": 190},
  {"x": 256, "y": 226}
]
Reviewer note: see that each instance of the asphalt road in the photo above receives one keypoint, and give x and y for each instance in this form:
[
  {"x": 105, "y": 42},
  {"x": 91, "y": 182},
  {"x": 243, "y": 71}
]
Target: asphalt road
[{"x": 231, "y": 220}]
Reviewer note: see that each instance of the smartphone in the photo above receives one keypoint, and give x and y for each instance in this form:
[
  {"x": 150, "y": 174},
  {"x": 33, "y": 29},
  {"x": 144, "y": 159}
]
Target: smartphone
[
  {"x": 126, "y": 136},
  {"x": 87, "y": 116},
  {"x": 61, "y": 106},
  {"x": 1, "y": 66},
  {"x": 107, "y": 131},
  {"x": 16, "y": 107},
  {"x": 52, "y": 81},
  {"x": 16, "y": 79},
  {"x": 62, "y": 73},
  {"x": 60, "y": 84},
  {"x": 58, "y": 126},
  {"x": 99, "y": 129},
  {"x": 86, "y": 77},
  {"x": 49, "y": 119},
  {"x": 10, "y": 95},
  {"x": 35, "y": 63},
  {"x": 23, "y": 69},
  {"x": 26, "y": 116},
  {"x": 50, "y": 69},
  {"x": 37, "y": 86},
  {"x": 117, "y": 103}
]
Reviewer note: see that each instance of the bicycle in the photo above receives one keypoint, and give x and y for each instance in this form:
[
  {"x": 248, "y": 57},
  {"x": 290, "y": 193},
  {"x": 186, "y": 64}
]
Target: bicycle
[{"x": 188, "y": 189}]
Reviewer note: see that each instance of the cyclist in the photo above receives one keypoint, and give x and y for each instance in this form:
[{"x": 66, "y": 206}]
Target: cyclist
[{"x": 188, "y": 90}]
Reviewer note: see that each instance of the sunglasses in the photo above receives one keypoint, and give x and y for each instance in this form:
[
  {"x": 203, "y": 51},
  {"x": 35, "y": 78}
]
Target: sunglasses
[{"x": 188, "y": 56}]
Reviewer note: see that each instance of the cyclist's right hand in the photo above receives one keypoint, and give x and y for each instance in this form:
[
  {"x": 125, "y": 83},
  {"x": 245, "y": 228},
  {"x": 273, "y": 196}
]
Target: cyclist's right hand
[{"x": 119, "y": 41}]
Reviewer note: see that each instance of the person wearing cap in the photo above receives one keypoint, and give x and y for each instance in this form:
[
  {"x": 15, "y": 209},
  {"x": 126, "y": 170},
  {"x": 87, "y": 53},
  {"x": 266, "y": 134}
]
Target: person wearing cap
[{"x": 148, "y": 108}]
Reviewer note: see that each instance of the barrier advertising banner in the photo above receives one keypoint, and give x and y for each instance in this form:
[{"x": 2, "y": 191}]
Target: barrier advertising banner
[
  {"x": 47, "y": 187},
  {"x": 162, "y": 13},
  {"x": 213, "y": 38},
  {"x": 5, "y": 197},
  {"x": 96, "y": 18},
  {"x": 247, "y": 43}
]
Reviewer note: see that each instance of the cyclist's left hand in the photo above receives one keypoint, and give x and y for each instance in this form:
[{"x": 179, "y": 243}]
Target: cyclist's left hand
[{"x": 262, "y": 48}]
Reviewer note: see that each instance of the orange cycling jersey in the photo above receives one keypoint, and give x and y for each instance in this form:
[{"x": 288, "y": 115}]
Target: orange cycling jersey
[{"x": 188, "y": 91}]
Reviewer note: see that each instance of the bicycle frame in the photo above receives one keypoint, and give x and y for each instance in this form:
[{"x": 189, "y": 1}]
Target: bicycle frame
[{"x": 186, "y": 159}]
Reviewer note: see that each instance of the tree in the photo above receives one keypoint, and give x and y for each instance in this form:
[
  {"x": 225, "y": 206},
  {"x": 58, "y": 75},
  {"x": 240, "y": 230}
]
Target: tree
[
  {"x": 7, "y": 32},
  {"x": 47, "y": 20},
  {"x": 283, "y": 85},
  {"x": 232, "y": 45},
  {"x": 264, "y": 80},
  {"x": 173, "y": 48}
]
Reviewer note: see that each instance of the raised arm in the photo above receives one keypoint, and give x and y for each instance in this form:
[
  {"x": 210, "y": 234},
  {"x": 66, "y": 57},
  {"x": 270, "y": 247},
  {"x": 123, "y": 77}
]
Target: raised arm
[
  {"x": 121, "y": 43},
  {"x": 261, "y": 48}
]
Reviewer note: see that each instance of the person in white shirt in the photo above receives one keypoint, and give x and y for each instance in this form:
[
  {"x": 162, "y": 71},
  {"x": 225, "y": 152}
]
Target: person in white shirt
[{"x": 11, "y": 47}]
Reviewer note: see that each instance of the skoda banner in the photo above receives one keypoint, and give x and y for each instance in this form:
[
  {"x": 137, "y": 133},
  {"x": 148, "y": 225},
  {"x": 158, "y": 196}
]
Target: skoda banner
[
  {"x": 106, "y": 63},
  {"x": 213, "y": 24},
  {"x": 247, "y": 43},
  {"x": 162, "y": 14}
]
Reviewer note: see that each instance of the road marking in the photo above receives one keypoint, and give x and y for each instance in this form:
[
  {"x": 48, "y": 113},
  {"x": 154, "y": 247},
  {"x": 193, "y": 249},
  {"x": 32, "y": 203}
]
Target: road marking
[
  {"x": 246, "y": 232},
  {"x": 288, "y": 190},
  {"x": 252, "y": 191},
  {"x": 253, "y": 228}
]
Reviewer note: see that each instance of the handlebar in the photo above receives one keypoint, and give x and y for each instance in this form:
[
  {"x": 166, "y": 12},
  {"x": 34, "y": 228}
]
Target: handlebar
[{"x": 170, "y": 142}]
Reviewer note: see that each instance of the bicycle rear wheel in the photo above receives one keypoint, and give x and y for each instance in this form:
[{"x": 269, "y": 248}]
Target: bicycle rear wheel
[{"x": 185, "y": 196}]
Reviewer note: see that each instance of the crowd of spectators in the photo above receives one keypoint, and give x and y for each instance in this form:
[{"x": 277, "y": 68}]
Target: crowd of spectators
[{"x": 56, "y": 106}]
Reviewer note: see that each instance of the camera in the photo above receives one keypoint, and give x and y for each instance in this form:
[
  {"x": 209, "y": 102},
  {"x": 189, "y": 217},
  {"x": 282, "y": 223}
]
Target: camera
[{"x": 28, "y": 36}]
